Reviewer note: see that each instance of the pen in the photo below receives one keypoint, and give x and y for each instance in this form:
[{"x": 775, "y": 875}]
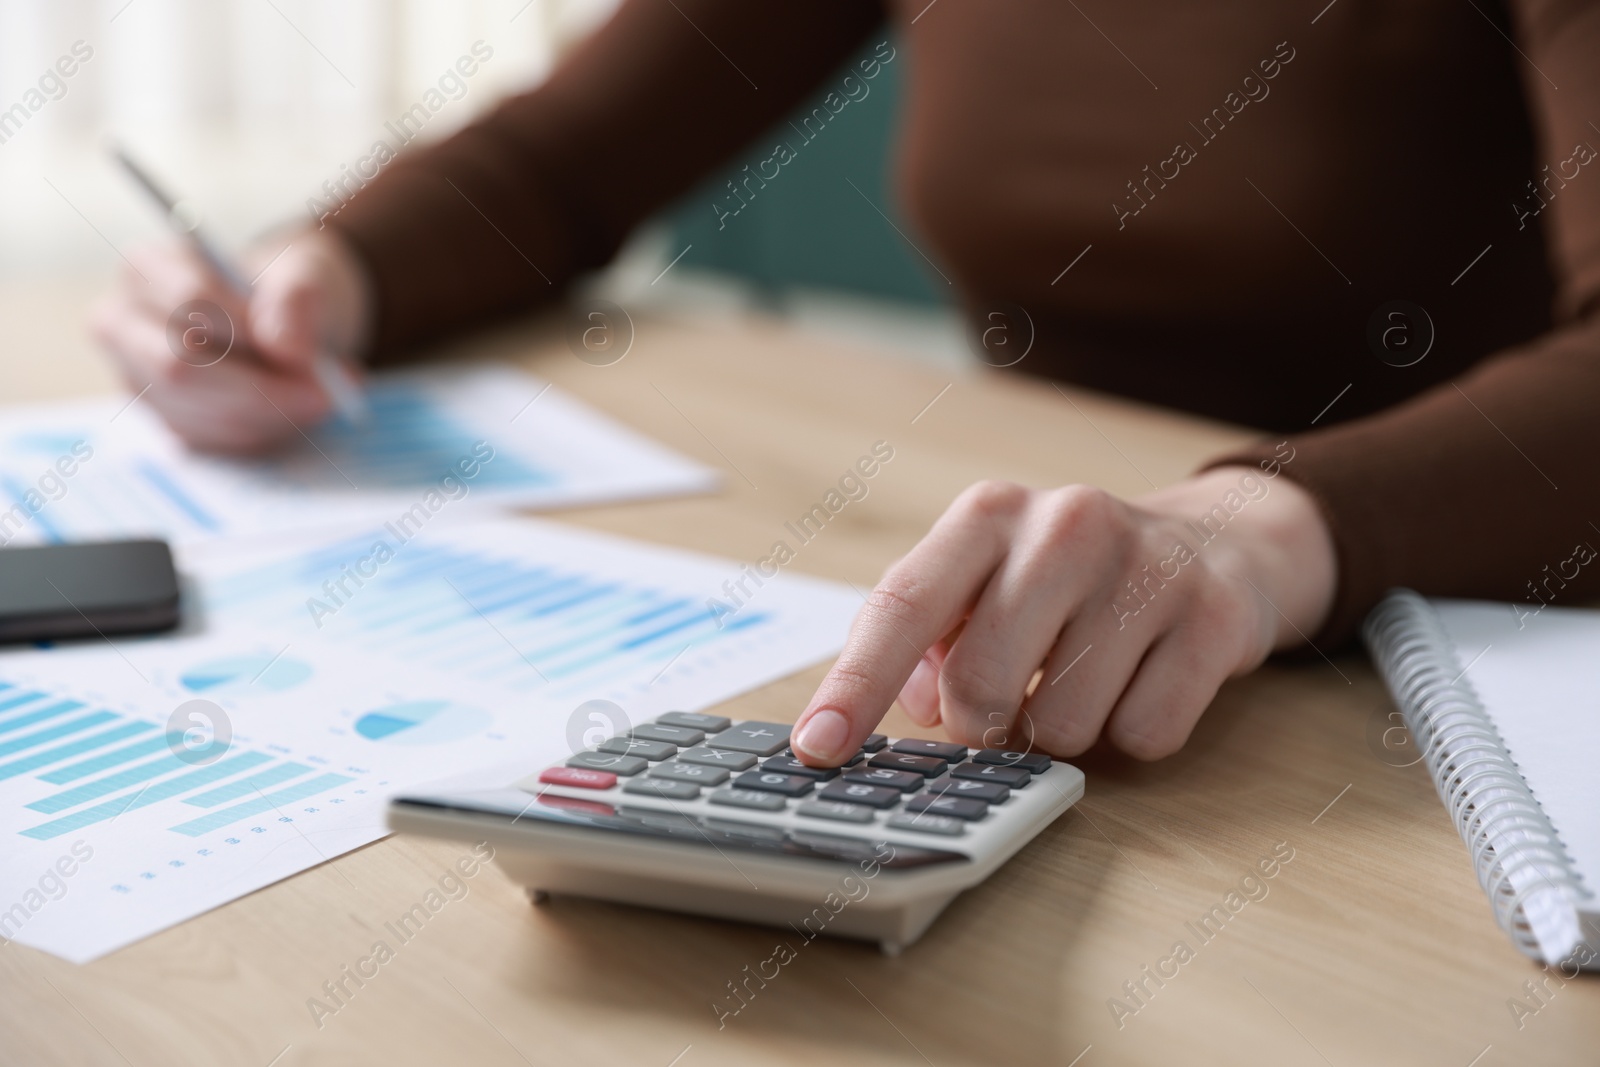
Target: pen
[{"x": 330, "y": 373}]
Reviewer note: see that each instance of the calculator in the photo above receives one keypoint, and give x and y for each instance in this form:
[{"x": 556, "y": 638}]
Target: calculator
[{"x": 701, "y": 814}]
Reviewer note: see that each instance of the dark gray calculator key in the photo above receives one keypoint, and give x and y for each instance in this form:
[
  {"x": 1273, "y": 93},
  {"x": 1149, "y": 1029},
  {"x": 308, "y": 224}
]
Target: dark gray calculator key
[
  {"x": 924, "y": 823},
  {"x": 874, "y": 742},
  {"x": 661, "y": 787},
  {"x": 605, "y": 761},
  {"x": 904, "y": 781},
  {"x": 789, "y": 785},
  {"x": 762, "y": 738},
  {"x": 748, "y": 798},
  {"x": 634, "y": 746},
  {"x": 854, "y": 759},
  {"x": 718, "y": 757},
  {"x": 681, "y": 736},
  {"x": 945, "y": 750},
  {"x": 697, "y": 773},
  {"x": 873, "y": 796},
  {"x": 988, "y": 792},
  {"x": 938, "y": 804},
  {"x": 1010, "y": 777},
  {"x": 1032, "y": 762},
  {"x": 790, "y": 765},
  {"x": 695, "y": 721},
  {"x": 832, "y": 809},
  {"x": 927, "y": 766}
]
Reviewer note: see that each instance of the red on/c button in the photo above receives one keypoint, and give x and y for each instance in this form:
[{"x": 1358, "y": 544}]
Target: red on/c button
[{"x": 578, "y": 777}]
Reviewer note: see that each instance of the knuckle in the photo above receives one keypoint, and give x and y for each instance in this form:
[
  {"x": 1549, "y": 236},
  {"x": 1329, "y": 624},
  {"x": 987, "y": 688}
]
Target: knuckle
[
  {"x": 896, "y": 601},
  {"x": 1077, "y": 512},
  {"x": 1141, "y": 744},
  {"x": 992, "y": 498},
  {"x": 1065, "y": 735},
  {"x": 974, "y": 682}
]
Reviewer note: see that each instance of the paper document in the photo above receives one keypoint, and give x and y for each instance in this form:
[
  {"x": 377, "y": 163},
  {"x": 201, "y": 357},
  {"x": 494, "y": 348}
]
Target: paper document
[
  {"x": 338, "y": 671},
  {"x": 443, "y": 439}
]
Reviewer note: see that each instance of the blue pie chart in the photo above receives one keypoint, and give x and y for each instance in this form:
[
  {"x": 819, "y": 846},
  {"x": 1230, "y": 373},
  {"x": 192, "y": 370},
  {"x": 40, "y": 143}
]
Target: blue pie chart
[
  {"x": 422, "y": 722},
  {"x": 259, "y": 672}
]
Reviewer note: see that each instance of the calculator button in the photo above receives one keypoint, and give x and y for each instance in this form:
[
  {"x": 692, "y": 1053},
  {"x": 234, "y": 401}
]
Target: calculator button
[
  {"x": 632, "y": 746},
  {"x": 927, "y": 766},
  {"x": 1010, "y": 777},
  {"x": 955, "y": 807},
  {"x": 790, "y": 765},
  {"x": 925, "y": 823},
  {"x": 762, "y": 738},
  {"x": 578, "y": 778},
  {"x": 601, "y": 761},
  {"x": 1032, "y": 762},
  {"x": 855, "y": 793},
  {"x": 748, "y": 798},
  {"x": 696, "y": 773},
  {"x": 790, "y": 785},
  {"x": 695, "y": 721},
  {"x": 832, "y": 809},
  {"x": 855, "y": 757},
  {"x": 905, "y": 781},
  {"x": 988, "y": 792},
  {"x": 874, "y": 742},
  {"x": 944, "y": 750},
  {"x": 718, "y": 757},
  {"x": 672, "y": 735},
  {"x": 661, "y": 787}
]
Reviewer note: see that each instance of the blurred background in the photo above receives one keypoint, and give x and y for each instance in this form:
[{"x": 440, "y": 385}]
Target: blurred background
[{"x": 246, "y": 108}]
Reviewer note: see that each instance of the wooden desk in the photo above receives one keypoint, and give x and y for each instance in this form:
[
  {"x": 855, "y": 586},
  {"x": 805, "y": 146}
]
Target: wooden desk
[{"x": 1372, "y": 946}]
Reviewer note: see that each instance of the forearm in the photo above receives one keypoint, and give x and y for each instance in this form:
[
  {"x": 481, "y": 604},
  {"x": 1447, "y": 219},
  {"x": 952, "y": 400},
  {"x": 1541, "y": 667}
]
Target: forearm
[
  {"x": 502, "y": 215},
  {"x": 1471, "y": 489}
]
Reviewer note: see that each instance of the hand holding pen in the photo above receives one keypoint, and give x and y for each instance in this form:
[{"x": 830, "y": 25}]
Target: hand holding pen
[{"x": 238, "y": 358}]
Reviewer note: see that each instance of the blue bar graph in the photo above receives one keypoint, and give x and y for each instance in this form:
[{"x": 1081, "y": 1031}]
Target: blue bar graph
[
  {"x": 72, "y": 748},
  {"x": 206, "y": 823},
  {"x": 111, "y": 783},
  {"x": 60, "y": 707},
  {"x": 116, "y": 757},
  {"x": 224, "y": 768},
  {"x": 18, "y": 699},
  {"x": 246, "y": 786},
  {"x": 39, "y": 737}
]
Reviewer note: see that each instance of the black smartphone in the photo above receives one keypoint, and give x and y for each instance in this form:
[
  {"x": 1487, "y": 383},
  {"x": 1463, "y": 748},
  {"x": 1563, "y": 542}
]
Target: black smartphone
[{"x": 54, "y": 592}]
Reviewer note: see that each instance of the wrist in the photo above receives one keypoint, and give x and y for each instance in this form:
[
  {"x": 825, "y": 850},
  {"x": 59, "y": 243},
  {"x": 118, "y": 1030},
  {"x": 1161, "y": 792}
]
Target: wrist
[{"x": 1265, "y": 528}]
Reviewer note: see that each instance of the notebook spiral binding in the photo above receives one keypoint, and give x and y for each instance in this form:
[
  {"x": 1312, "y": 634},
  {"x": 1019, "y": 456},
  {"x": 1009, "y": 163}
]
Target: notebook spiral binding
[{"x": 1521, "y": 863}]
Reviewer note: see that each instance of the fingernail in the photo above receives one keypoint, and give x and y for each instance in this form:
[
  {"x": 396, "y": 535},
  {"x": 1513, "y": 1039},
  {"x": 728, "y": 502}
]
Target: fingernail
[{"x": 823, "y": 736}]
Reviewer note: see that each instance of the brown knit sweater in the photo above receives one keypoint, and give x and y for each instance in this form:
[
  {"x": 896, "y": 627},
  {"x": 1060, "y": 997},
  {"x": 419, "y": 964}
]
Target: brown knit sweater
[{"x": 1242, "y": 189}]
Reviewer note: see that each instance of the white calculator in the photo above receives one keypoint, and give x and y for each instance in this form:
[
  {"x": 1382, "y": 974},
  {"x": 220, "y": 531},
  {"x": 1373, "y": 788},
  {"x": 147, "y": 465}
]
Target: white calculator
[{"x": 701, "y": 814}]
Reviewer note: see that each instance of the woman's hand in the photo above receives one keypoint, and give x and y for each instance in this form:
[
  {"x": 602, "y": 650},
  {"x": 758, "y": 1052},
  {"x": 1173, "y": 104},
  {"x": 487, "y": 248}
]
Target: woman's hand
[
  {"x": 230, "y": 374},
  {"x": 1043, "y": 618}
]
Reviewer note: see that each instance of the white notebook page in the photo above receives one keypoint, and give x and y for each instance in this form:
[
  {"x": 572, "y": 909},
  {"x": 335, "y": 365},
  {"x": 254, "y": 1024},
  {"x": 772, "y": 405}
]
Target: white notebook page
[{"x": 1538, "y": 675}]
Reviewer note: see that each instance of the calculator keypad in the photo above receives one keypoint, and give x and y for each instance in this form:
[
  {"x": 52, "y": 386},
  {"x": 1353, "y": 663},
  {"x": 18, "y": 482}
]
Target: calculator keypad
[{"x": 923, "y": 787}]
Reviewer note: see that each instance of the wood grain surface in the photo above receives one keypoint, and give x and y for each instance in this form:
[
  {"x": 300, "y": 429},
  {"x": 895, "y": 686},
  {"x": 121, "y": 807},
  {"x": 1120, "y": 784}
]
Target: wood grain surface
[{"x": 1370, "y": 944}]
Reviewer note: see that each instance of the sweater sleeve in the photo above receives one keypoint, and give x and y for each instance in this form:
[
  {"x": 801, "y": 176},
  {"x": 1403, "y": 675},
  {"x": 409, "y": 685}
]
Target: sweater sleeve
[
  {"x": 1489, "y": 486},
  {"x": 500, "y": 216}
]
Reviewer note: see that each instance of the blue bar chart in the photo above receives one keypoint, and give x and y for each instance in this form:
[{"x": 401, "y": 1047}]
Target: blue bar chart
[
  {"x": 70, "y": 743},
  {"x": 529, "y": 626}
]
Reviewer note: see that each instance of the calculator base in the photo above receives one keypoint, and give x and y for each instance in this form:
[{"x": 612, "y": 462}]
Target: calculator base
[{"x": 893, "y": 927}]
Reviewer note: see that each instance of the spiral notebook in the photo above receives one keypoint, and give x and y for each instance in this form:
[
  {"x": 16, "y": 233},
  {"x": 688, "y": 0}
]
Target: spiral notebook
[{"x": 1503, "y": 703}]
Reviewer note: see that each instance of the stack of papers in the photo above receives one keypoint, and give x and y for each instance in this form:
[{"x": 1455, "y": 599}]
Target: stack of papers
[{"x": 398, "y": 636}]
